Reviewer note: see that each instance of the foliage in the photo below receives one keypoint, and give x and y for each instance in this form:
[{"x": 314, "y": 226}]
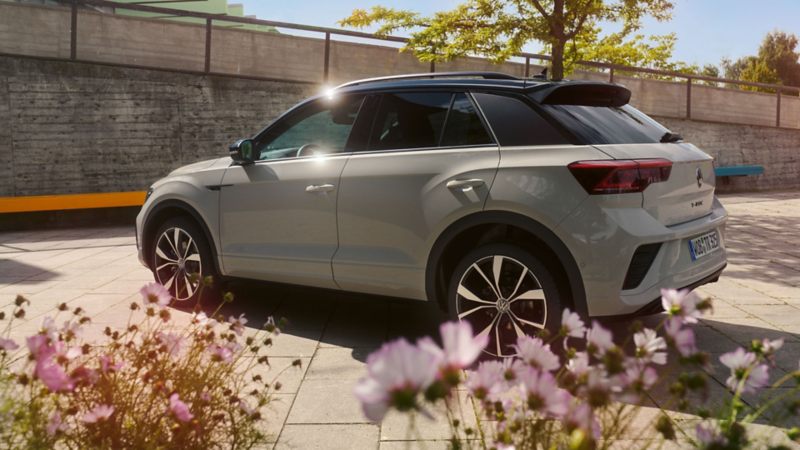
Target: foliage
[
  {"x": 584, "y": 399},
  {"x": 758, "y": 72},
  {"x": 148, "y": 386},
  {"x": 777, "y": 52},
  {"x": 498, "y": 29}
]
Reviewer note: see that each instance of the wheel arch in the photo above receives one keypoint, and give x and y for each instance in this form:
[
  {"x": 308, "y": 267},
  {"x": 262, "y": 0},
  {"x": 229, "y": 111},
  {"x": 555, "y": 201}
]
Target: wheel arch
[
  {"x": 166, "y": 210},
  {"x": 500, "y": 226}
]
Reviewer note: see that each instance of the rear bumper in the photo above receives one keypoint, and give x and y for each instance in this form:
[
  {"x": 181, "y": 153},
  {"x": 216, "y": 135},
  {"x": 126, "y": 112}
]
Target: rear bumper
[{"x": 603, "y": 234}]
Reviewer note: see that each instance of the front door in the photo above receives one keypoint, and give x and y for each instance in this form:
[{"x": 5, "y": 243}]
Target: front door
[
  {"x": 278, "y": 216},
  {"x": 430, "y": 160}
]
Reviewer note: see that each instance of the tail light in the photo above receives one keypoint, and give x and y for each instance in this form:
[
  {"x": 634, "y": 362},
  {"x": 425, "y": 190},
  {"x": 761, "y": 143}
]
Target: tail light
[{"x": 620, "y": 176}]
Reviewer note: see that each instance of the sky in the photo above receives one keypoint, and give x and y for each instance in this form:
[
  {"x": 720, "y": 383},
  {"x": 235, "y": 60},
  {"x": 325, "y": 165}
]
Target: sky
[{"x": 707, "y": 30}]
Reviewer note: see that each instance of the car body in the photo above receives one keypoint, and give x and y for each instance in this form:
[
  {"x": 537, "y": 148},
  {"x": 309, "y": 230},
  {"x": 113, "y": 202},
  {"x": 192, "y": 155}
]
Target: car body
[{"x": 384, "y": 186}]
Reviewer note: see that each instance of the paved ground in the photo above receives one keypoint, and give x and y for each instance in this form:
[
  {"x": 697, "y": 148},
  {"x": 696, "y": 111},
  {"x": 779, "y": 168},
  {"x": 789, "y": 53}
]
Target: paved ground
[{"x": 97, "y": 269}]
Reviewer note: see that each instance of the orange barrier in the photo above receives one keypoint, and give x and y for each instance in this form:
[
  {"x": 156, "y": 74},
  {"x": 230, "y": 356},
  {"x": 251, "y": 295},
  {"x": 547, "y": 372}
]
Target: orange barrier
[{"x": 71, "y": 201}]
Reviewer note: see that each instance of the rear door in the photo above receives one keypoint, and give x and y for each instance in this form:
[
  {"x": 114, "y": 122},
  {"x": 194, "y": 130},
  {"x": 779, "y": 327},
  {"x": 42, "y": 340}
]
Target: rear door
[{"x": 430, "y": 160}]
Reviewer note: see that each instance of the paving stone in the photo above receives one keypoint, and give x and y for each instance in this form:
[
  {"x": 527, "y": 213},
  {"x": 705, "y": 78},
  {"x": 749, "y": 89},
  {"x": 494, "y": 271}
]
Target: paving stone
[
  {"x": 416, "y": 445},
  {"x": 777, "y": 315},
  {"x": 338, "y": 364},
  {"x": 328, "y": 437},
  {"x": 326, "y": 401},
  {"x": 396, "y": 426}
]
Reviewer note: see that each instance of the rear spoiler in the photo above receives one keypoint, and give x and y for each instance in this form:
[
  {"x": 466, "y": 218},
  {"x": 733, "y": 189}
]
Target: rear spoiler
[{"x": 582, "y": 94}]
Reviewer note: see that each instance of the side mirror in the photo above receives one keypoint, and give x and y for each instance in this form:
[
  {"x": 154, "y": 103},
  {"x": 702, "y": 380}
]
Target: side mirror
[{"x": 242, "y": 151}]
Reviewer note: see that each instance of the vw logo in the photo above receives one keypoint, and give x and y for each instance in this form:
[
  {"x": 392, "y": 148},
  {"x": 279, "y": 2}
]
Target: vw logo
[{"x": 699, "y": 178}]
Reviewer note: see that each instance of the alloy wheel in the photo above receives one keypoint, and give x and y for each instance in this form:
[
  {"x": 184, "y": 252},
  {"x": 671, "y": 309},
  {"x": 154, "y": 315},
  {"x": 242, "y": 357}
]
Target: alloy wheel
[
  {"x": 502, "y": 299},
  {"x": 176, "y": 259}
]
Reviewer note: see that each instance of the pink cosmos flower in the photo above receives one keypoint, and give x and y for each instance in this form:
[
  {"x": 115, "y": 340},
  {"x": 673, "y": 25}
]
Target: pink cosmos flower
[
  {"x": 107, "y": 364},
  {"x": 739, "y": 361},
  {"x": 542, "y": 392},
  {"x": 270, "y": 324},
  {"x": 205, "y": 397},
  {"x": 37, "y": 345},
  {"x": 580, "y": 417},
  {"x": 8, "y": 345},
  {"x": 53, "y": 375},
  {"x": 203, "y": 320},
  {"x": 681, "y": 304},
  {"x": 396, "y": 374},
  {"x": 179, "y": 409},
  {"x": 156, "y": 293},
  {"x": 172, "y": 341},
  {"x": 640, "y": 376},
  {"x": 55, "y": 424},
  {"x": 223, "y": 354},
  {"x": 648, "y": 345},
  {"x": 59, "y": 350},
  {"x": 486, "y": 381},
  {"x": 682, "y": 338},
  {"x": 572, "y": 324},
  {"x": 237, "y": 325},
  {"x": 536, "y": 353},
  {"x": 246, "y": 408},
  {"x": 600, "y": 338},
  {"x": 710, "y": 438},
  {"x": 100, "y": 412},
  {"x": 234, "y": 346},
  {"x": 461, "y": 349}
]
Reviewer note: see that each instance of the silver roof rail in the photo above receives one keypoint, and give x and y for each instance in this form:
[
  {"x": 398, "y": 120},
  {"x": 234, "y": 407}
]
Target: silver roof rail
[{"x": 413, "y": 76}]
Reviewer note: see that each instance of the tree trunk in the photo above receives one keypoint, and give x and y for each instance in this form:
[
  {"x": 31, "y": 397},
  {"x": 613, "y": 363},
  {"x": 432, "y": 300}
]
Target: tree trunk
[{"x": 558, "y": 61}]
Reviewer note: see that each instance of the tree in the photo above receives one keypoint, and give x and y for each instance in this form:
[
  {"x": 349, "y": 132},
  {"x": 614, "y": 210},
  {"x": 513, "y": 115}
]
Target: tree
[
  {"x": 758, "y": 72},
  {"x": 498, "y": 29},
  {"x": 710, "y": 70},
  {"x": 777, "y": 52}
]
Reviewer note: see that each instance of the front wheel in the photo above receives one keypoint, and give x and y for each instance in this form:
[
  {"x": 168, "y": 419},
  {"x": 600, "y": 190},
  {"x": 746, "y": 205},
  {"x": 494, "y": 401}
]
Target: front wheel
[
  {"x": 504, "y": 292},
  {"x": 179, "y": 250}
]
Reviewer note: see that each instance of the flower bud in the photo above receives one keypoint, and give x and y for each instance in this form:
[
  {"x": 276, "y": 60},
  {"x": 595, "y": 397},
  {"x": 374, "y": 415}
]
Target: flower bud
[
  {"x": 254, "y": 349},
  {"x": 636, "y": 326},
  {"x": 278, "y": 385},
  {"x": 265, "y": 360},
  {"x": 227, "y": 298},
  {"x": 78, "y": 311},
  {"x": 298, "y": 363},
  {"x": 133, "y": 328},
  {"x": 134, "y": 306},
  {"x": 2, "y": 315},
  {"x": 207, "y": 281},
  {"x": 19, "y": 314},
  {"x": 115, "y": 335},
  {"x": 256, "y": 377},
  {"x": 664, "y": 426},
  {"x": 20, "y": 300},
  {"x": 107, "y": 331},
  {"x": 71, "y": 411},
  {"x": 543, "y": 334},
  {"x": 150, "y": 311},
  {"x": 193, "y": 277},
  {"x": 268, "y": 342},
  {"x": 23, "y": 379},
  {"x": 63, "y": 307},
  {"x": 165, "y": 315},
  {"x": 703, "y": 413},
  {"x": 85, "y": 348},
  {"x": 249, "y": 340},
  {"x": 84, "y": 320}
]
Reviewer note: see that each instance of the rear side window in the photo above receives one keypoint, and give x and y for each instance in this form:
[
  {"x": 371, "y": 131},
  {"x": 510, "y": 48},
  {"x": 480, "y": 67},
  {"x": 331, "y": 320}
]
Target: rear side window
[
  {"x": 407, "y": 121},
  {"x": 515, "y": 123},
  {"x": 464, "y": 127},
  {"x": 597, "y": 125}
]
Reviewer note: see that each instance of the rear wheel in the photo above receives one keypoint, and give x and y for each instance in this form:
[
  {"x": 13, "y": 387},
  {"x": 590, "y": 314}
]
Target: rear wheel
[
  {"x": 504, "y": 292},
  {"x": 180, "y": 249}
]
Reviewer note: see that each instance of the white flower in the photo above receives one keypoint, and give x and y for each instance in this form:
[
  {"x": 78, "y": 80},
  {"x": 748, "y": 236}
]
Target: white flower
[
  {"x": 234, "y": 346},
  {"x": 648, "y": 345},
  {"x": 49, "y": 328},
  {"x": 640, "y": 377},
  {"x": 681, "y": 304},
  {"x": 600, "y": 338},
  {"x": 487, "y": 381},
  {"x": 156, "y": 293},
  {"x": 579, "y": 365},
  {"x": 536, "y": 354},
  {"x": 202, "y": 319},
  {"x": 542, "y": 392},
  {"x": 396, "y": 374},
  {"x": 461, "y": 349},
  {"x": 682, "y": 338},
  {"x": 237, "y": 325},
  {"x": 73, "y": 328},
  {"x": 100, "y": 412},
  {"x": 710, "y": 438},
  {"x": 739, "y": 361},
  {"x": 572, "y": 324}
]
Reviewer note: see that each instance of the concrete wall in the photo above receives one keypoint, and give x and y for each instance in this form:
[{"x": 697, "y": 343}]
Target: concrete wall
[
  {"x": 735, "y": 145},
  {"x": 37, "y": 30},
  {"x": 82, "y": 128}
]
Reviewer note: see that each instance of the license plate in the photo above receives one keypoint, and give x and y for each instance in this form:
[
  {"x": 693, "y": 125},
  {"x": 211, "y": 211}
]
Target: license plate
[{"x": 703, "y": 245}]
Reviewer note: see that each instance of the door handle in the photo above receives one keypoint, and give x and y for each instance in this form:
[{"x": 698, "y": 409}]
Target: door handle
[
  {"x": 319, "y": 188},
  {"x": 465, "y": 185}
]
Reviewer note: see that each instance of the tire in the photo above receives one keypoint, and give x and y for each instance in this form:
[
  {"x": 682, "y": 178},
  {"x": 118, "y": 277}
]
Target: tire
[
  {"x": 528, "y": 297},
  {"x": 172, "y": 269}
]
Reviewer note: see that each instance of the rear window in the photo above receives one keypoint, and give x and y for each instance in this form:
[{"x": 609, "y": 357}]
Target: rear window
[{"x": 597, "y": 125}]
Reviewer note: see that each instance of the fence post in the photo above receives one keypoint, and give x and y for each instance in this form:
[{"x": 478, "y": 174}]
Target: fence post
[
  {"x": 527, "y": 66},
  {"x": 208, "y": 45},
  {"x": 610, "y": 74},
  {"x": 73, "y": 33},
  {"x": 778, "y": 114},
  {"x": 689, "y": 97},
  {"x": 327, "y": 57}
]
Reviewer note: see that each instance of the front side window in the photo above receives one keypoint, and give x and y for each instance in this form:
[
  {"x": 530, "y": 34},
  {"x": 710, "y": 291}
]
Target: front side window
[
  {"x": 407, "y": 121},
  {"x": 321, "y": 127}
]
